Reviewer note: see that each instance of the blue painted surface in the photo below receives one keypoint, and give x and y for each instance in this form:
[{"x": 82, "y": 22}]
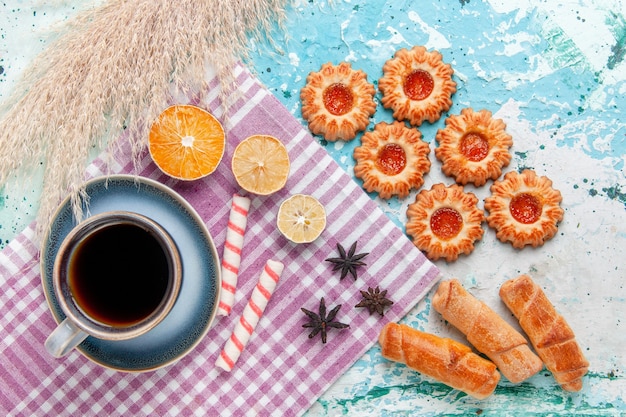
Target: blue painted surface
[
  {"x": 562, "y": 96},
  {"x": 554, "y": 71}
]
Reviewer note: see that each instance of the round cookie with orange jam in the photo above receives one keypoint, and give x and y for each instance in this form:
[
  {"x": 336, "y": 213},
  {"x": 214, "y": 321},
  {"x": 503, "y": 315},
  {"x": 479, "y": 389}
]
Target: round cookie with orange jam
[
  {"x": 444, "y": 222},
  {"x": 392, "y": 159},
  {"x": 417, "y": 85},
  {"x": 337, "y": 101},
  {"x": 524, "y": 209},
  {"x": 473, "y": 147}
]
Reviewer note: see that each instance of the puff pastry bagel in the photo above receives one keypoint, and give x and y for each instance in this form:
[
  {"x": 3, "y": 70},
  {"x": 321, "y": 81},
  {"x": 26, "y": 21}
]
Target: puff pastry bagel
[{"x": 551, "y": 336}]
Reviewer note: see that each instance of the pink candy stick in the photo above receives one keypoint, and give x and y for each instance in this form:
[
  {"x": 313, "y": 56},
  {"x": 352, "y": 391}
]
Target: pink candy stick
[
  {"x": 232, "y": 252},
  {"x": 251, "y": 315}
]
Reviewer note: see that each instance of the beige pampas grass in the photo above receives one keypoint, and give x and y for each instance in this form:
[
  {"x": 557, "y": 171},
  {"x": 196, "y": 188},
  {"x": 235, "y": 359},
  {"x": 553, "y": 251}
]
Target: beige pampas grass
[{"x": 114, "y": 69}]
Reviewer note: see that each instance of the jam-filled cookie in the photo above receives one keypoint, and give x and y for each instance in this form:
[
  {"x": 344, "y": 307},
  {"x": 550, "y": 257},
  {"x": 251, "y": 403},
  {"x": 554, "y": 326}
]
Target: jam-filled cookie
[
  {"x": 337, "y": 101},
  {"x": 524, "y": 209},
  {"x": 392, "y": 159},
  {"x": 444, "y": 222},
  {"x": 473, "y": 147},
  {"x": 417, "y": 85}
]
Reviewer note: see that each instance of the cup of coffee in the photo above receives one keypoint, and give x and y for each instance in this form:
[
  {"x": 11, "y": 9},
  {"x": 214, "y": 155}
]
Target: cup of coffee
[{"x": 116, "y": 276}]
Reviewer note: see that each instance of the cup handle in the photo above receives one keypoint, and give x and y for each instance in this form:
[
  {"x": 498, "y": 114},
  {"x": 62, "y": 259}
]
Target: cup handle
[{"x": 64, "y": 338}]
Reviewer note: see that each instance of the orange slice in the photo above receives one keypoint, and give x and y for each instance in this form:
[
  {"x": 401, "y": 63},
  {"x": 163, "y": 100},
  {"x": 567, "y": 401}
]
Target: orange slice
[
  {"x": 261, "y": 164},
  {"x": 301, "y": 218},
  {"x": 186, "y": 142}
]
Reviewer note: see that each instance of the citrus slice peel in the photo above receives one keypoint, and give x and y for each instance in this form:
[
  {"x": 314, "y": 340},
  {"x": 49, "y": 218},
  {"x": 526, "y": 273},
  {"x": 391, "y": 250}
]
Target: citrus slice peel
[
  {"x": 301, "y": 218},
  {"x": 186, "y": 142},
  {"x": 260, "y": 164}
]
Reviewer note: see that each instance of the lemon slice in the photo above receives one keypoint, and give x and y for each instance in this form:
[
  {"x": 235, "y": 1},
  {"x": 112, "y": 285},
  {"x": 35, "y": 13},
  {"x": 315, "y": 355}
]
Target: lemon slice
[
  {"x": 301, "y": 218},
  {"x": 261, "y": 164},
  {"x": 186, "y": 142}
]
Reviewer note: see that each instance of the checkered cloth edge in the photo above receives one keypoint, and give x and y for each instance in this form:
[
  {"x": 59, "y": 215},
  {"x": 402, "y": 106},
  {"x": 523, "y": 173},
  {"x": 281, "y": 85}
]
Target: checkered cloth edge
[{"x": 281, "y": 371}]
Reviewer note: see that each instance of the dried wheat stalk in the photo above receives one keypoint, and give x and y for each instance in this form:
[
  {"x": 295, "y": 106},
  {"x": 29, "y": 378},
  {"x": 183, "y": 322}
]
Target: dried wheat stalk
[{"x": 114, "y": 68}]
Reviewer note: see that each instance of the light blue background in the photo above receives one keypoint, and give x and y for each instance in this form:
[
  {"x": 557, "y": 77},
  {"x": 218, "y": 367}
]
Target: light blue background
[{"x": 554, "y": 71}]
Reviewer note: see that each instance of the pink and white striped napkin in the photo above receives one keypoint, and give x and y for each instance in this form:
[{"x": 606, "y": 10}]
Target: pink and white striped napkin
[{"x": 281, "y": 372}]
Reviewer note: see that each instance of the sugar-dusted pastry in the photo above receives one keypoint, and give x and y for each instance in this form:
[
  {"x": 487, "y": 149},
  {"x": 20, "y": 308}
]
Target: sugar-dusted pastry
[
  {"x": 417, "y": 85},
  {"x": 337, "y": 101},
  {"x": 487, "y": 331},
  {"x": 551, "y": 336},
  {"x": 392, "y": 159},
  {"x": 445, "y": 222},
  {"x": 473, "y": 147},
  {"x": 524, "y": 209},
  {"x": 443, "y": 359}
]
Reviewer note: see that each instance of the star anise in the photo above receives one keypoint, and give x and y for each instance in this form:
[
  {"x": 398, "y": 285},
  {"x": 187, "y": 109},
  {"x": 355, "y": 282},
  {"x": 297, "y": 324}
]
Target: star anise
[
  {"x": 375, "y": 300},
  {"x": 321, "y": 322},
  {"x": 347, "y": 262}
]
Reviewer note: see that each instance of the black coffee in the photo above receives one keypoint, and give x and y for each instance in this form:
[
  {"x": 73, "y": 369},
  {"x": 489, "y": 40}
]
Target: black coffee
[{"x": 119, "y": 275}]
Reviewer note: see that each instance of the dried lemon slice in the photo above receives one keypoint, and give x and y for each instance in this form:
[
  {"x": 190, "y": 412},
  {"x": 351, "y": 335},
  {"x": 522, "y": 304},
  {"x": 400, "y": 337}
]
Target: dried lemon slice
[
  {"x": 261, "y": 164},
  {"x": 301, "y": 218},
  {"x": 186, "y": 142}
]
